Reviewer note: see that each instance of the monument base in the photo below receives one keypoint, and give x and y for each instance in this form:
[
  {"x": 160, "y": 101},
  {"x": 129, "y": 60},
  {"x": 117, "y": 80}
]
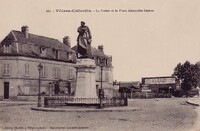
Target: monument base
[{"x": 85, "y": 79}]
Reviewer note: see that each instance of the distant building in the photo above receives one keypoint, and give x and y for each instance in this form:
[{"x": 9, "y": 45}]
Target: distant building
[
  {"x": 132, "y": 86},
  {"x": 21, "y": 53},
  {"x": 158, "y": 84},
  {"x": 129, "y": 87}
]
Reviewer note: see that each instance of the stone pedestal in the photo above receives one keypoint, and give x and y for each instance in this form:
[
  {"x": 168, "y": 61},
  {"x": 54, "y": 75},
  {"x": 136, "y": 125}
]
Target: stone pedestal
[{"x": 85, "y": 79}]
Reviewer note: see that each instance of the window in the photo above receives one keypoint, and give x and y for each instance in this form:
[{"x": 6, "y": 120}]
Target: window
[
  {"x": 44, "y": 71},
  {"x": 99, "y": 73},
  {"x": 106, "y": 76},
  {"x": 98, "y": 61},
  {"x": 42, "y": 51},
  {"x": 6, "y": 69},
  {"x": 56, "y": 72},
  {"x": 56, "y": 54},
  {"x": 69, "y": 56},
  {"x": 101, "y": 61},
  {"x": 6, "y": 49},
  {"x": 26, "y": 88},
  {"x": 27, "y": 70},
  {"x": 71, "y": 76}
]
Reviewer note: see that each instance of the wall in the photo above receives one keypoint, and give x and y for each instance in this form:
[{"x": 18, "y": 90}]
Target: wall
[{"x": 18, "y": 80}]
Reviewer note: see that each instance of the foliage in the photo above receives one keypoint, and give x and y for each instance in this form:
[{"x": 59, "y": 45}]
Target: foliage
[
  {"x": 178, "y": 93},
  {"x": 188, "y": 75}
]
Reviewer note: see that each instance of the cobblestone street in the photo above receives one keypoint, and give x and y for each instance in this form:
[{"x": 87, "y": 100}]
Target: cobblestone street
[{"x": 172, "y": 114}]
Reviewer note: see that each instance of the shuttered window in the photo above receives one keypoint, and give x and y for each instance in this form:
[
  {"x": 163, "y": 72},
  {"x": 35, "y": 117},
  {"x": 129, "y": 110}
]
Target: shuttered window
[
  {"x": 6, "y": 69},
  {"x": 44, "y": 71},
  {"x": 56, "y": 72},
  {"x": 27, "y": 70}
]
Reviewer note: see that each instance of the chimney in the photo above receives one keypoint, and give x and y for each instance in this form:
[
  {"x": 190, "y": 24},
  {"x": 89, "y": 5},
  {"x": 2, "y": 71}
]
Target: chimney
[
  {"x": 24, "y": 30},
  {"x": 100, "y": 48},
  {"x": 66, "y": 41}
]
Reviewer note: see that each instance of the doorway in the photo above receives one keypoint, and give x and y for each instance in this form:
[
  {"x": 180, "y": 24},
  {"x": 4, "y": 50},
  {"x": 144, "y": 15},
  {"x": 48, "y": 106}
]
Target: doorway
[
  {"x": 6, "y": 90},
  {"x": 57, "y": 88}
]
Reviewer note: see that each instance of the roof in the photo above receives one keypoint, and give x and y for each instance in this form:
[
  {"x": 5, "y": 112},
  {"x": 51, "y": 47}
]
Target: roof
[
  {"x": 41, "y": 41},
  {"x": 31, "y": 46},
  {"x": 129, "y": 86},
  {"x": 38, "y": 40},
  {"x": 158, "y": 77},
  {"x": 94, "y": 52},
  {"x": 132, "y": 84}
]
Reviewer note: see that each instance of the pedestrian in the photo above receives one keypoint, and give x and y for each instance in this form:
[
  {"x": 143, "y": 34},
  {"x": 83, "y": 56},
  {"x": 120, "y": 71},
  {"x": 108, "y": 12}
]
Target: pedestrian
[{"x": 197, "y": 90}]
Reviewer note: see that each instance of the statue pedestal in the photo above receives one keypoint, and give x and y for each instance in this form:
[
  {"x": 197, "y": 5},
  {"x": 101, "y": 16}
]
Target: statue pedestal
[{"x": 85, "y": 79}]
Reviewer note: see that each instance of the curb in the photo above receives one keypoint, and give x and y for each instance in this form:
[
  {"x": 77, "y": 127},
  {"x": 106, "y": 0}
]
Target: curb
[
  {"x": 18, "y": 102},
  {"x": 4, "y": 105},
  {"x": 85, "y": 110},
  {"x": 192, "y": 103},
  {"x": 13, "y": 103}
]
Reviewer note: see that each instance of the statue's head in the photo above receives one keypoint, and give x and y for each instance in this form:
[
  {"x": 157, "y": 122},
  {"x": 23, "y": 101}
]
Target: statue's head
[{"x": 82, "y": 23}]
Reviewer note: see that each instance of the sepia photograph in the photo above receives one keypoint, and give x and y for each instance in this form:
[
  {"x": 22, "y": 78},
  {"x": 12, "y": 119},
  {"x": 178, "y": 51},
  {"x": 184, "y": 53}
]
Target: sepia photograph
[{"x": 126, "y": 65}]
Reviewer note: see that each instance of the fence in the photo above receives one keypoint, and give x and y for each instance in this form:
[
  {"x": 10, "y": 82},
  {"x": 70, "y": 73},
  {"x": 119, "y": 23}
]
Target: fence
[
  {"x": 147, "y": 95},
  {"x": 110, "y": 102},
  {"x": 66, "y": 101}
]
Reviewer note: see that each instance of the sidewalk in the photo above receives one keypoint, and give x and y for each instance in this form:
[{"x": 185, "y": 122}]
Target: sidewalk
[
  {"x": 69, "y": 108},
  {"x": 65, "y": 109},
  {"x": 194, "y": 101},
  {"x": 10, "y": 102}
]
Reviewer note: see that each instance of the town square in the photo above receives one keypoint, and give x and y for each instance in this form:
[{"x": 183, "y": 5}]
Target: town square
[
  {"x": 172, "y": 114},
  {"x": 99, "y": 66}
]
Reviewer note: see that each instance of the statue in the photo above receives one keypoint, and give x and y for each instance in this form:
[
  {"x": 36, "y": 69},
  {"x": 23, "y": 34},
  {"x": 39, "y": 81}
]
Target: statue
[{"x": 84, "y": 41}]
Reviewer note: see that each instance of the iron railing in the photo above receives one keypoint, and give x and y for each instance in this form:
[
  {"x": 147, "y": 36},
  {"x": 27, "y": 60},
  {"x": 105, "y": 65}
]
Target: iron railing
[
  {"x": 147, "y": 95},
  {"x": 57, "y": 101},
  {"x": 110, "y": 102}
]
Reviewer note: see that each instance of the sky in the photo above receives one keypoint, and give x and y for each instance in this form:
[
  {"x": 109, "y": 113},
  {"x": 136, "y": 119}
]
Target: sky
[{"x": 142, "y": 44}]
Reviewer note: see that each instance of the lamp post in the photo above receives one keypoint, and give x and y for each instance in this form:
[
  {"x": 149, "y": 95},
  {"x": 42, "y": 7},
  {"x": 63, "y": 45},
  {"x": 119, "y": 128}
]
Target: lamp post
[
  {"x": 40, "y": 68},
  {"x": 101, "y": 64}
]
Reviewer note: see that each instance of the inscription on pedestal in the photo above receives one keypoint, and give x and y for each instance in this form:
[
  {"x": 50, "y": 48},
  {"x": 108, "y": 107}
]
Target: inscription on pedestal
[
  {"x": 81, "y": 75},
  {"x": 85, "y": 80}
]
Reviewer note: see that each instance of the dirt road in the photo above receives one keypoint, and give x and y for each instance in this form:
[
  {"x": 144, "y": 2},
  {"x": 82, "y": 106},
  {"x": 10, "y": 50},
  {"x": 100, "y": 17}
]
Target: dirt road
[{"x": 156, "y": 115}]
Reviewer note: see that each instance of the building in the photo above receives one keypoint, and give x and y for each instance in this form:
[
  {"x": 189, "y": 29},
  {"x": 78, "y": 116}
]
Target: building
[
  {"x": 20, "y": 54},
  {"x": 107, "y": 70},
  {"x": 158, "y": 84},
  {"x": 128, "y": 88}
]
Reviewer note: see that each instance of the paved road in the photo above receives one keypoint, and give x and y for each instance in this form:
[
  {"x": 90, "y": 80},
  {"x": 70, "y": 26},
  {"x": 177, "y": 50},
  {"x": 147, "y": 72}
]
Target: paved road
[{"x": 156, "y": 115}]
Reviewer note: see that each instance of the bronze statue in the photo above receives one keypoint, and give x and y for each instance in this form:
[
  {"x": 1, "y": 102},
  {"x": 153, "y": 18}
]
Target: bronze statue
[{"x": 84, "y": 41}]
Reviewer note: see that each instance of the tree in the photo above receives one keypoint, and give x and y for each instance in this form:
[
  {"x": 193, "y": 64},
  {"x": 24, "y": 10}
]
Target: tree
[{"x": 188, "y": 75}]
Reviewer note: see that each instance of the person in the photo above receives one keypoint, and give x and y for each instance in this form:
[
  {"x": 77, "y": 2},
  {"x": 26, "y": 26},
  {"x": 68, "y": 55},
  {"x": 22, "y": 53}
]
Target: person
[
  {"x": 198, "y": 90},
  {"x": 84, "y": 40}
]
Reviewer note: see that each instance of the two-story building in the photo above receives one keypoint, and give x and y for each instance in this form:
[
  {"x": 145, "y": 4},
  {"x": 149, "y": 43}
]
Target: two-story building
[{"x": 21, "y": 53}]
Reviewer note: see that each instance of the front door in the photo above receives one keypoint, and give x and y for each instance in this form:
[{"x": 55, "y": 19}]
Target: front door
[
  {"x": 57, "y": 88},
  {"x": 6, "y": 90}
]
